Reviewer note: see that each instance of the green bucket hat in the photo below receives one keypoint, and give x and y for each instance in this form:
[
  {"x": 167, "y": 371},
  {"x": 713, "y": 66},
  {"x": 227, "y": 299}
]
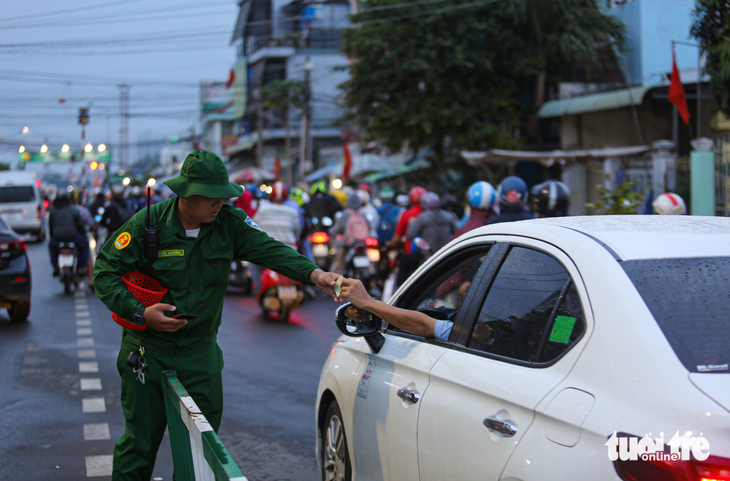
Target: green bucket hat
[{"x": 203, "y": 173}]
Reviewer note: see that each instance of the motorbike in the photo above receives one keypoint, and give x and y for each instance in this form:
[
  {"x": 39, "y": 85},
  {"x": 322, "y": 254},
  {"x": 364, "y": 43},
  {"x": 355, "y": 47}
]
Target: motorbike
[
  {"x": 278, "y": 295},
  {"x": 320, "y": 241},
  {"x": 68, "y": 256},
  {"x": 240, "y": 276},
  {"x": 361, "y": 259}
]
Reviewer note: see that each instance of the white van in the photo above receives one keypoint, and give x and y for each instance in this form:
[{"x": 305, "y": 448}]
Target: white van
[{"x": 21, "y": 204}]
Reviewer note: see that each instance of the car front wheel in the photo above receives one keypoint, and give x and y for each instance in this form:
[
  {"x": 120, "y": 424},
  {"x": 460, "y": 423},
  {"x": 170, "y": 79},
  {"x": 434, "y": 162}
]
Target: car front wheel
[{"x": 335, "y": 455}]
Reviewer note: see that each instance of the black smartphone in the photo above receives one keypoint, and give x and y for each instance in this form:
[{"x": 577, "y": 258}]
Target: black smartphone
[{"x": 185, "y": 315}]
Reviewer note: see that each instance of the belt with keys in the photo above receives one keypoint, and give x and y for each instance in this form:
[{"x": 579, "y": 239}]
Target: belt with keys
[{"x": 138, "y": 363}]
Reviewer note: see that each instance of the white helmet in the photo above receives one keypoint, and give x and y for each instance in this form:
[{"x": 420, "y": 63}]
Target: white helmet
[{"x": 669, "y": 204}]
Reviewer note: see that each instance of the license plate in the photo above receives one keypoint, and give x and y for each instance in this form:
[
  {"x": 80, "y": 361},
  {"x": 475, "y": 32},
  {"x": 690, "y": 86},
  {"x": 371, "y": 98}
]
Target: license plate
[
  {"x": 360, "y": 261},
  {"x": 65, "y": 260},
  {"x": 320, "y": 250},
  {"x": 287, "y": 293}
]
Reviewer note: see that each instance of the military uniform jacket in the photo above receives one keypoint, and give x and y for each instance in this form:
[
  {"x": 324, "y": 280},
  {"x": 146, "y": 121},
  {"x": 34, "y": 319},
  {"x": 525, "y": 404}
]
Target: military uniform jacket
[{"x": 194, "y": 270}]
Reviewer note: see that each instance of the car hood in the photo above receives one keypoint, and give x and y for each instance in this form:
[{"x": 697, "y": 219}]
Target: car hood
[{"x": 715, "y": 386}]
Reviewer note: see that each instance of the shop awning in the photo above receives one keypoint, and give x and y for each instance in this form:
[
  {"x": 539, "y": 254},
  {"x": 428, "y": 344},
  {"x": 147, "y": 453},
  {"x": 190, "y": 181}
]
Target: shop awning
[
  {"x": 497, "y": 155},
  {"x": 595, "y": 102}
]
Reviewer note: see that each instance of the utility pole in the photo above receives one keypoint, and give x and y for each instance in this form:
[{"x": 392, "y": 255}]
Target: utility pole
[
  {"x": 259, "y": 130},
  {"x": 123, "y": 124},
  {"x": 305, "y": 154}
]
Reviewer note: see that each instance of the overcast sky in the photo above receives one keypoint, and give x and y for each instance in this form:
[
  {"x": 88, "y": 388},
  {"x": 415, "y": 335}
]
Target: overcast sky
[{"x": 81, "y": 50}]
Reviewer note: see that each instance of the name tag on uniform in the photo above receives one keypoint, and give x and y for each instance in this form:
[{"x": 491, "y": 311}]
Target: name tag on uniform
[{"x": 172, "y": 253}]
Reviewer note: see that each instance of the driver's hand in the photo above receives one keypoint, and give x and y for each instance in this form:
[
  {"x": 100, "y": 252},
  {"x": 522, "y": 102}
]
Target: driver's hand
[
  {"x": 355, "y": 292},
  {"x": 155, "y": 318}
]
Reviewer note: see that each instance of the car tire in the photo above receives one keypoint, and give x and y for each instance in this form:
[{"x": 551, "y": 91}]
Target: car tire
[
  {"x": 19, "y": 311},
  {"x": 335, "y": 455}
]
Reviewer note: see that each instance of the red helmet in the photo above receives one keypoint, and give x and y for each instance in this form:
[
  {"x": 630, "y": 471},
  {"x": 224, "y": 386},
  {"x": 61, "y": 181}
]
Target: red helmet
[
  {"x": 366, "y": 187},
  {"x": 279, "y": 191},
  {"x": 415, "y": 195}
]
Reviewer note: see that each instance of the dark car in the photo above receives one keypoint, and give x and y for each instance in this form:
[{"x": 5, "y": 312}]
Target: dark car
[{"x": 15, "y": 283}]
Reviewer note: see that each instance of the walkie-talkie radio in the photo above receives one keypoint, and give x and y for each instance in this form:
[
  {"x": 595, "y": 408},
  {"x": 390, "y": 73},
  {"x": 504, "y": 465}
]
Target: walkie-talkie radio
[{"x": 151, "y": 236}]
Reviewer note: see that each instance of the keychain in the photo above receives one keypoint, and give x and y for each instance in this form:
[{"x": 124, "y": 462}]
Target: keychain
[{"x": 138, "y": 363}]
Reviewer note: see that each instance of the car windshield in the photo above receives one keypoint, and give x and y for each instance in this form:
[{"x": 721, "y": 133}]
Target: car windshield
[
  {"x": 23, "y": 193},
  {"x": 690, "y": 300}
]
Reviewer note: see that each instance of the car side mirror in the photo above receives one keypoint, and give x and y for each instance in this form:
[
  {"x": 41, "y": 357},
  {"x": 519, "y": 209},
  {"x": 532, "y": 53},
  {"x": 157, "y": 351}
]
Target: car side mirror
[{"x": 354, "y": 322}]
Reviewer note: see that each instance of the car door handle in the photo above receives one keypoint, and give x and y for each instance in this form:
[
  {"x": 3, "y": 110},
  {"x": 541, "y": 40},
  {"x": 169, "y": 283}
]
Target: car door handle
[
  {"x": 409, "y": 395},
  {"x": 506, "y": 427}
]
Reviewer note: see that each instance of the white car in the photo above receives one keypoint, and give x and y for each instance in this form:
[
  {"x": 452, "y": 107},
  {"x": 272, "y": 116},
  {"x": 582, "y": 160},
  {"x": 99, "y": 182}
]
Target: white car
[{"x": 577, "y": 342}]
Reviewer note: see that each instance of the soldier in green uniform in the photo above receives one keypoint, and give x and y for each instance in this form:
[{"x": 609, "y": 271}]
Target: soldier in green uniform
[{"x": 199, "y": 235}]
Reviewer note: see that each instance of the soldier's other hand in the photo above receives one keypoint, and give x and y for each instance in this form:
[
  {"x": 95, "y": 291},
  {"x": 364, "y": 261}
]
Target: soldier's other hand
[{"x": 155, "y": 318}]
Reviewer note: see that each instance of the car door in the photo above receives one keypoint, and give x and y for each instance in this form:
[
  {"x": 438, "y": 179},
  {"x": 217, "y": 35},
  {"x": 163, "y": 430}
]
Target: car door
[
  {"x": 483, "y": 391},
  {"x": 385, "y": 413}
]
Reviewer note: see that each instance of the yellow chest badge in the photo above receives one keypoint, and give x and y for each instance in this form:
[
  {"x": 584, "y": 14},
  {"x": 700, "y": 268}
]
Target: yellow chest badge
[{"x": 123, "y": 240}]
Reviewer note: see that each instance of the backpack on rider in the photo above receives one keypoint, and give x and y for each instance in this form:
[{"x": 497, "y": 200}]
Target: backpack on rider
[{"x": 357, "y": 228}]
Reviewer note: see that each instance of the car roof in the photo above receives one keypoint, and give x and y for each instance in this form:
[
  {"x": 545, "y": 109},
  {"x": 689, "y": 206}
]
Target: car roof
[
  {"x": 635, "y": 236},
  {"x": 17, "y": 178}
]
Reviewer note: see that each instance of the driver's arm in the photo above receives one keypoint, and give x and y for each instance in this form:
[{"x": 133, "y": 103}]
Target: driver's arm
[{"x": 410, "y": 321}]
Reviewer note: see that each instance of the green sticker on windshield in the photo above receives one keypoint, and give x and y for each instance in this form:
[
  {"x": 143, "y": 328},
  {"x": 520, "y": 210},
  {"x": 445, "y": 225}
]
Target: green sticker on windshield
[{"x": 562, "y": 329}]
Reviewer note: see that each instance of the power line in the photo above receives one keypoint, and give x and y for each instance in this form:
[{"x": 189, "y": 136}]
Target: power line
[
  {"x": 70, "y": 10},
  {"x": 429, "y": 12}
]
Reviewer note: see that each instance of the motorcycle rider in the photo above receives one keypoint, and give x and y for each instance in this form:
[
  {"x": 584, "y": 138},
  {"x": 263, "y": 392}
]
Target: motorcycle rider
[
  {"x": 369, "y": 211},
  {"x": 136, "y": 200},
  {"x": 551, "y": 199},
  {"x": 351, "y": 221},
  {"x": 321, "y": 204},
  {"x": 669, "y": 204},
  {"x": 435, "y": 225},
  {"x": 481, "y": 197},
  {"x": 388, "y": 212},
  {"x": 117, "y": 212},
  {"x": 512, "y": 195},
  {"x": 401, "y": 230},
  {"x": 66, "y": 225},
  {"x": 279, "y": 220}
]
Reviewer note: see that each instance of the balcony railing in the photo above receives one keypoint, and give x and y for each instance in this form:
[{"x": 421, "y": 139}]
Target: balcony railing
[{"x": 319, "y": 38}]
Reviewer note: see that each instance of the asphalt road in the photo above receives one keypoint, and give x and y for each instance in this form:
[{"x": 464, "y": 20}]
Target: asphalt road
[{"x": 59, "y": 389}]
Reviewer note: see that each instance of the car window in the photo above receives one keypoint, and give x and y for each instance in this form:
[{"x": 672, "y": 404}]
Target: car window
[
  {"x": 444, "y": 286},
  {"x": 23, "y": 193},
  {"x": 518, "y": 310},
  {"x": 690, "y": 301}
]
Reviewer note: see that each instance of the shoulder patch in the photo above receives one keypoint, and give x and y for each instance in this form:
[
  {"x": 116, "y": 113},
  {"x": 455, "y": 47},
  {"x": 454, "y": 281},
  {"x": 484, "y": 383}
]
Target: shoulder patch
[
  {"x": 253, "y": 224},
  {"x": 122, "y": 240}
]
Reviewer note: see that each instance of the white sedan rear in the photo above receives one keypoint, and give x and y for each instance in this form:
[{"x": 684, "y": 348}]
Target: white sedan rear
[{"x": 582, "y": 348}]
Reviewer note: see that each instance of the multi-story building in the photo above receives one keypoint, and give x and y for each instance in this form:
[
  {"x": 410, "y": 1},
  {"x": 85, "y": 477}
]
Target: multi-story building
[{"x": 288, "y": 39}]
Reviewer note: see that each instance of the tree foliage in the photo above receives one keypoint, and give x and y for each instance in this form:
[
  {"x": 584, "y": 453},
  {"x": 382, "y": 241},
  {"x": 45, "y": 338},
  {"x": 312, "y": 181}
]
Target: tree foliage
[
  {"x": 460, "y": 75},
  {"x": 619, "y": 201},
  {"x": 712, "y": 29},
  {"x": 283, "y": 94}
]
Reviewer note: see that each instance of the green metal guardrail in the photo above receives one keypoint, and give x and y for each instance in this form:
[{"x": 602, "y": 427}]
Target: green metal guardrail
[{"x": 197, "y": 452}]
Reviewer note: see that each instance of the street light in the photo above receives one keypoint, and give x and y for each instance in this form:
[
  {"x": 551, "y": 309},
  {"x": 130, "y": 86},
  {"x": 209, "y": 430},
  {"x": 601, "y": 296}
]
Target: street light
[
  {"x": 88, "y": 147},
  {"x": 101, "y": 148},
  {"x": 102, "y": 167},
  {"x": 21, "y": 149},
  {"x": 25, "y": 130},
  {"x": 65, "y": 148},
  {"x": 126, "y": 181},
  {"x": 151, "y": 182},
  {"x": 44, "y": 149},
  {"x": 337, "y": 184}
]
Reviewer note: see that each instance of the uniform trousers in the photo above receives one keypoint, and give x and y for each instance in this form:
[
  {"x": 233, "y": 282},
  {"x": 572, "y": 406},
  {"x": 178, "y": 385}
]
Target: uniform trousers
[{"x": 198, "y": 367}]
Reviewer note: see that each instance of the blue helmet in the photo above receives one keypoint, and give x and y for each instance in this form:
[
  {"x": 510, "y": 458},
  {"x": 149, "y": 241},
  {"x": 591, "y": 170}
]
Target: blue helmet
[
  {"x": 481, "y": 195},
  {"x": 512, "y": 192}
]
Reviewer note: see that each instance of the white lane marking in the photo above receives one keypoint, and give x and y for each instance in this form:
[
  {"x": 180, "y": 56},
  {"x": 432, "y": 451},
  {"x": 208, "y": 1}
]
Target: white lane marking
[
  {"x": 91, "y": 384},
  {"x": 81, "y": 304},
  {"x": 96, "y": 432},
  {"x": 93, "y": 405},
  {"x": 87, "y": 353},
  {"x": 84, "y": 331},
  {"x": 80, "y": 293},
  {"x": 85, "y": 342},
  {"x": 98, "y": 466},
  {"x": 82, "y": 313},
  {"x": 88, "y": 367},
  {"x": 83, "y": 322}
]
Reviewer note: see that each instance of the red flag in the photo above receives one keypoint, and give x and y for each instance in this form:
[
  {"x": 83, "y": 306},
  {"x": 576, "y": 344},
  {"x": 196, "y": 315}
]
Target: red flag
[
  {"x": 676, "y": 92},
  {"x": 231, "y": 78},
  {"x": 347, "y": 164},
  {"x": 277, "y": 167}
]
